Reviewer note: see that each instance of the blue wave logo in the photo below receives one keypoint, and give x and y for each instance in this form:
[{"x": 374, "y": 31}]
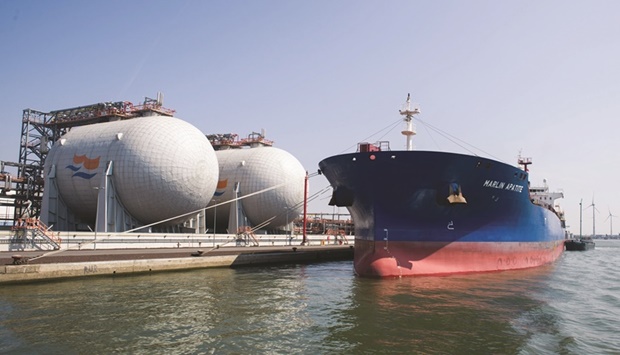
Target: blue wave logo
[
  {"x": 83, "y": 162},
  {"x": 84, "y": 175},
  {"x": 221, "y": 188}
]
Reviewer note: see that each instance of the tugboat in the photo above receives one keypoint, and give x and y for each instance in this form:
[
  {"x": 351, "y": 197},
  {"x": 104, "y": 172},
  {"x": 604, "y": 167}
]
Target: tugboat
[{"x": 582, "y": 243}]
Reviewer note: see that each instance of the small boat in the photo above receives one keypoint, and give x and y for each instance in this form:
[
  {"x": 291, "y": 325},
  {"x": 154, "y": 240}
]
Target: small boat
[{"x": 580, "y": 244}]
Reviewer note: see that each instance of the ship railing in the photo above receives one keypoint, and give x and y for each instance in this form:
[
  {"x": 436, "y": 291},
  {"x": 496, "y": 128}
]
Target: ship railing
[{"x": 379, "y": 146}]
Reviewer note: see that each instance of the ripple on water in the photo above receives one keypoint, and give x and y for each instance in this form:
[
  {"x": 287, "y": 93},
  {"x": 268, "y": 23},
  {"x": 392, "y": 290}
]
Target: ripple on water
[{"x": 569, "y": 307}]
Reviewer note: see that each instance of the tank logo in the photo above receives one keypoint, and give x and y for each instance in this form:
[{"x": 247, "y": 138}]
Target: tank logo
[
  {"x": 221, "y": 187},
  {"x": 83, "y": 162},
  {"x": 502, "y": 185}
]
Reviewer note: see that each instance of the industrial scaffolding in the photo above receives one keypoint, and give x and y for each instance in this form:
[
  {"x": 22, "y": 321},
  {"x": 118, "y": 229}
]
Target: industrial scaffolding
[{"x": 24, "y": 191}]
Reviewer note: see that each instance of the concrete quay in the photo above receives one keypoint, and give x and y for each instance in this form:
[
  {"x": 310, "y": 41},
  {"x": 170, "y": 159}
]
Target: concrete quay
[{"x": 28, "y": 266}]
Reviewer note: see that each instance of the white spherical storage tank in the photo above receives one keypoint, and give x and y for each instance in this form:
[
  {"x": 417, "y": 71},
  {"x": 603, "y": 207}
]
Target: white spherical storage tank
[
  {"x": 256, "y": 169},
  {"x": 162, "y": 167}
]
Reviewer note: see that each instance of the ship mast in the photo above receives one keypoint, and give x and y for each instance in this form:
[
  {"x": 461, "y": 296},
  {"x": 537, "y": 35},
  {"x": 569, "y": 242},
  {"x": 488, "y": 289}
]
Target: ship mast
[
  {"x": 409, "y": 130},
  {"x": 525, "y": 162}
]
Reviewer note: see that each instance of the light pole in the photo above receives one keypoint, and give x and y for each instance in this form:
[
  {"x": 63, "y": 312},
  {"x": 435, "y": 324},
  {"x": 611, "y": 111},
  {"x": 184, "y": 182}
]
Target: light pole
[
  {"x": 580, "y": 214},
  {"x": 96, "y": 223},
  {"x": 214, "y": 222},
  {"x": 287, "y": 225},
  {"x": 304, "y": 237},
  {"x": 99, "y": 189}
]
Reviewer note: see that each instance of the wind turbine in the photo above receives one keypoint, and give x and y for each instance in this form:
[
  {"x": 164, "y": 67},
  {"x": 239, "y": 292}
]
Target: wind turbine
[
  {"x": 580, "y": 216},
  {"x": 594, "y": 209},
  {"x": 610, "y": 217}
]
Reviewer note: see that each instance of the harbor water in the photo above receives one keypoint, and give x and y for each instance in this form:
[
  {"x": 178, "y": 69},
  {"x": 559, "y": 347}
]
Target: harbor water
[{"x": 569, "y": 307}]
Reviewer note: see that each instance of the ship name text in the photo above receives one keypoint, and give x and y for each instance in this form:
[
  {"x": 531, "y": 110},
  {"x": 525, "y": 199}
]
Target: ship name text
[{"x": 502, "y": 185}]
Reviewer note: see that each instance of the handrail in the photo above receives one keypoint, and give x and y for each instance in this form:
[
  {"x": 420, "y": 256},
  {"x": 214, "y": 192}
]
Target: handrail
[{"x": 37, "y": 225}]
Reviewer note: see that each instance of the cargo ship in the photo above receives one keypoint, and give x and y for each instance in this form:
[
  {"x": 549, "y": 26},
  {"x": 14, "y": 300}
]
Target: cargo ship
[{"x": 440, "y": 213}]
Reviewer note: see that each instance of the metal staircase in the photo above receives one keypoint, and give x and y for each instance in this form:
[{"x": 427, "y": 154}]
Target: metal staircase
[
  {"x": 245, "y": 236},
  {"x": 31, "y": 233}
]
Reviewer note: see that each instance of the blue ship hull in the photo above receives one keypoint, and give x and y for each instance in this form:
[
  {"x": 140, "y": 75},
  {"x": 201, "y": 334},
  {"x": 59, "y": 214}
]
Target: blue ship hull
[{"x": 406, "y": 224}]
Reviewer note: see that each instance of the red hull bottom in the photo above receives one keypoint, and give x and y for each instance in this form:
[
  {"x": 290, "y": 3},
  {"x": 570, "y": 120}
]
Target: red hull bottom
[{"x": 389, "y": 259}]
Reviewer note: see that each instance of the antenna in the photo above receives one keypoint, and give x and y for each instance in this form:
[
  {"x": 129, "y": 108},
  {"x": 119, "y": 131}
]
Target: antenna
[{"x": 409, "y": 130}]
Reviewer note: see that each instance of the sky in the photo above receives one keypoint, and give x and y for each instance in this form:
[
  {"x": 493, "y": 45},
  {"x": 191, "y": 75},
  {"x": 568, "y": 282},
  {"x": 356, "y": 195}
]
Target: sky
[{"x": 536, "y": 78}]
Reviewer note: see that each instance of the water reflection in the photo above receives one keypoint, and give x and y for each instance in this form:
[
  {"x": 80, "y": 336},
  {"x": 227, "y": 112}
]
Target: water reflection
[
  {"x": 277, "y": 309},
  {"x": 446, "y": 314}
]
